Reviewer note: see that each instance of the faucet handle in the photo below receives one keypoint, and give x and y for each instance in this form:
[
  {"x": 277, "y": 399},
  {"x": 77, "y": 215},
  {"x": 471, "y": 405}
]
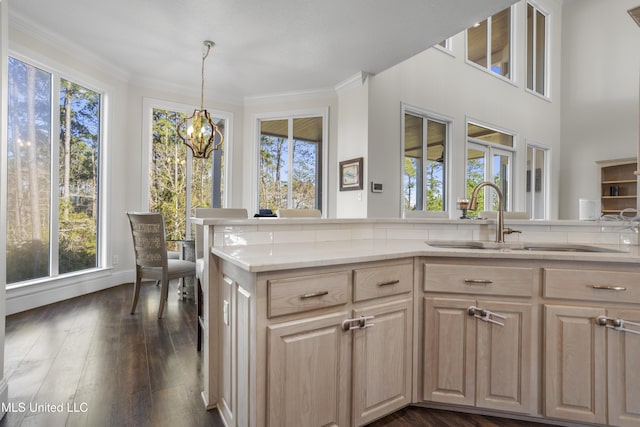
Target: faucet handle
[{"x": 508, "y": 230}]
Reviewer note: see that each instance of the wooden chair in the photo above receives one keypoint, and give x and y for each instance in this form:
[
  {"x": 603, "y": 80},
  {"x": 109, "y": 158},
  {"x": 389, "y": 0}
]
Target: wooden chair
[
  {"x": 152, "y": 262},
  {"x": 230, "y": 213}
]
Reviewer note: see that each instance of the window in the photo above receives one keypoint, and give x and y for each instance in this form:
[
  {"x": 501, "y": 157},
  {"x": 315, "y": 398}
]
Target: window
[
  {"x": 178, "y": 182},
  {"x": 489, "y": 158},
  {"x": 536, "y": 179},
  {"x": 536, "y": 50},
  {"x": 53, "y": 187},
  {"x": 489, "y": 43},
  {"x": 424, "y": 174},
  {"x": 291, "y": 152}
]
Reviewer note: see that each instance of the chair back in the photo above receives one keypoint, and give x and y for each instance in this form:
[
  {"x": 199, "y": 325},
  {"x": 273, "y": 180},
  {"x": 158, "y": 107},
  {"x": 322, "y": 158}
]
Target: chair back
[
  {"x": 299, "y": 213},
  {"x": 149, "y": 244},
  {"x": 230, "y": 213}
]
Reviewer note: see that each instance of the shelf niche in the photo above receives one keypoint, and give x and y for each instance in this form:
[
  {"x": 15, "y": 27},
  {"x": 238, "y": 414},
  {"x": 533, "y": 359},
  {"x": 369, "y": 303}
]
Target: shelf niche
[{"x": 618, "y": 185}]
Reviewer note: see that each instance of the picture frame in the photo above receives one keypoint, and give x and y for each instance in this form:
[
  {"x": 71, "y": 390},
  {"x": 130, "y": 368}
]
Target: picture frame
[{"x": 351, "y": 174}]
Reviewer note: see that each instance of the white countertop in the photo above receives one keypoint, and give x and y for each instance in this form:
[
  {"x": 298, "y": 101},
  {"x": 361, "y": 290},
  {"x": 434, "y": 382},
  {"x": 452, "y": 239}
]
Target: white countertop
[{"x": 272, "y": 257}]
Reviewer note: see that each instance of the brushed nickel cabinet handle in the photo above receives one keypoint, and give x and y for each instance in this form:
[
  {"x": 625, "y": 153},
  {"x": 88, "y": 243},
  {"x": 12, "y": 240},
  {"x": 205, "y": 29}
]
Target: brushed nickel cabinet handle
[
  {"x": 314, "y": 294},
  {"x": 609, "y": 288},
  {"x": 390, "y": 282},
  {"x": 478, "y": 281}
]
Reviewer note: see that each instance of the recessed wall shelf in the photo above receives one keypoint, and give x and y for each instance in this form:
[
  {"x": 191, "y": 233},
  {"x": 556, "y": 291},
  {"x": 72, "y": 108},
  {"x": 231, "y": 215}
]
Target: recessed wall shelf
[{"x": 618, "y": 185}]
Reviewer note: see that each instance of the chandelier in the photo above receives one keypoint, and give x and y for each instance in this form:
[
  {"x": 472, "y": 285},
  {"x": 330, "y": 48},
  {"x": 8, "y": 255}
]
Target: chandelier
[{"x": 198, "y": 131}]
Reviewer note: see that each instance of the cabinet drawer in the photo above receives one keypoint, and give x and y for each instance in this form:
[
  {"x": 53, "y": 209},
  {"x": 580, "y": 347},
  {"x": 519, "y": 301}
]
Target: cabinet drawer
[
  {"x": 303, "y": 293},
  {"x": 592, "y": 285},
  {"x": 478, "y": 280},
  {"x": 382, "y": 281}
]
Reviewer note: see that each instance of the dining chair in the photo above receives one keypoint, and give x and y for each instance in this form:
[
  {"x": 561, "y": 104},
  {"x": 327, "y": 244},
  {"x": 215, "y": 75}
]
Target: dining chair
[
  {"x": 230, "y": 213},
  {"x": 152, "y": 262},
  {"x": 299, "y": 213}
]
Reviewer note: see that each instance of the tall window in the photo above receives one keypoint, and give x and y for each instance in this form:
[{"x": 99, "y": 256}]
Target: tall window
[
  {"x": 178, "y": 182},
  {"x": 53, "y": 187},
  {"x": 536, "y": 179},
  {"x": 536, "y": 50},
  {"x": 425, "y": 141},
  {"x": 489, "y": 43},
  {"x": 291, "y": 157},
  {"x": 489, "y": 158}
]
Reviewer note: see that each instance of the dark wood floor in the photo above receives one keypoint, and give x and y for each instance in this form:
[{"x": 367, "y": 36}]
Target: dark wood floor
[{"x": 104, "y": 367}]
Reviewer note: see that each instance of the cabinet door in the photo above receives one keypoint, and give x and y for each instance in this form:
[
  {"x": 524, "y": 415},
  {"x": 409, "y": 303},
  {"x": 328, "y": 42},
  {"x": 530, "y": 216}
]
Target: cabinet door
[
  {"x": 449, "y": 351},
  {"x": 308, "y": 372},
  {"x": 575, "y": 364},
  {"x": 503, "y": 379},
  {"x": 624, "y": 370},
  {"x": 382, "y": 357}
]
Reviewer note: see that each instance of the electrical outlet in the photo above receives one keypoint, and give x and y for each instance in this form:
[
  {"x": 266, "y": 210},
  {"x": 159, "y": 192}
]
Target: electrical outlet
[{"x": 115, "y": 260}]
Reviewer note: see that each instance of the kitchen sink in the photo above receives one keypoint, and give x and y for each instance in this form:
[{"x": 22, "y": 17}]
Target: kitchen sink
[{"x": 520, "y": 246}]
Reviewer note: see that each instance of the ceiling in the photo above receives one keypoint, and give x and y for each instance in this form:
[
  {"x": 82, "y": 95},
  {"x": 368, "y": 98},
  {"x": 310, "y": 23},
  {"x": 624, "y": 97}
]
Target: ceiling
[{"x": 262, "y": 47}]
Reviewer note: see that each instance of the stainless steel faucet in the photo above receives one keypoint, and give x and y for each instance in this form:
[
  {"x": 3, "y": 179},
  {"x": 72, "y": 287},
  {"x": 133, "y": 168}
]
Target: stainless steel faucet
[{"x": 473, "y": 205}]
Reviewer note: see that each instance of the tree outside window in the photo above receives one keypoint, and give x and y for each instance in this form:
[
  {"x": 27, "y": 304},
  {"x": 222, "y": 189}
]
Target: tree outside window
[{"x": 52, "y": 228}]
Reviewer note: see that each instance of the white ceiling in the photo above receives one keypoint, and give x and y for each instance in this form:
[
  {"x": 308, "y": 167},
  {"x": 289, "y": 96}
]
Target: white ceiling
[{"x": 263, "y": 47}]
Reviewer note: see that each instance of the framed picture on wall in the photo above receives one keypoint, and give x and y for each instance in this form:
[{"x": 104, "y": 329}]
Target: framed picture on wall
[{"x": 351, "y": 174}]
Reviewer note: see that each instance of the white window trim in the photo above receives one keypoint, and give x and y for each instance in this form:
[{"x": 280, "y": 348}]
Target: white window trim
[
  {"x": 255, "y": 158},
  {"x": 547, "y": 51},
  {"x": 513, "y": 69},
  {"x": 60, "y": 71},
  {"x": 148, "y": 104},
  {"x": 513, "y": 173},
  {"x": 547, "y": 175},
  {"x": 448, "y": 199}
]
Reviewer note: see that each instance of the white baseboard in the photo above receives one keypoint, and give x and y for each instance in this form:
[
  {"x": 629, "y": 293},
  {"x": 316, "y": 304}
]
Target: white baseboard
[{"x": 34, "y": 295}]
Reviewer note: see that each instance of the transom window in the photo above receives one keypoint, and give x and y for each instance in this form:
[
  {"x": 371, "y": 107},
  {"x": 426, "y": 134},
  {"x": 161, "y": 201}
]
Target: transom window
[
  {"x": 424, "y": 168},
  {"x": 291, "y": 156},
  {"x": 489, "y": 43},
  {"x": 54, "y": 152}
]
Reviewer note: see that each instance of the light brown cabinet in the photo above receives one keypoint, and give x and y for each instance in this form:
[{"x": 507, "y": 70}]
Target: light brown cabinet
[
  {"x": 478, "y": 351},
  {"x": 592, "y": 358},
  {"x": 618, "y": 185}
]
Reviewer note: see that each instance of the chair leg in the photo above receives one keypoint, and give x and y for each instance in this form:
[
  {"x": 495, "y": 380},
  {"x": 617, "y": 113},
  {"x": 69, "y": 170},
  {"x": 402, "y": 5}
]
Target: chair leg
[
  {"x": 164, "y": 294},
  {"x": 136, "y": 294}
]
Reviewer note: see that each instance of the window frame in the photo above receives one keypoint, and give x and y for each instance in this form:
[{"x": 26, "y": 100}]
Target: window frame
[
  {"x": 447, "y": 175},
  {"x": 490, "y": 149},
  {"x": 513, "y": 68},
  {"x": 149, "y": 104},
  {"x": 58, "y": 72},
  {"x": 290, "y": 115},
  {"x": 547, "y": 37},
  {"x": 546, "y": 188}
]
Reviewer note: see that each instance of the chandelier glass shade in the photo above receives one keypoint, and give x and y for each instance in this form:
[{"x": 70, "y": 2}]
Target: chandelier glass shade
[{"x": 199, "y": 132}]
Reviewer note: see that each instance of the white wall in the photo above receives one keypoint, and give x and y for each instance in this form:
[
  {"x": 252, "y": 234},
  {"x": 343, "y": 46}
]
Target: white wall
[
  {"x": 4, "y": 36},
  {"x": 444, "y": 84},
  {"x": 601, "y": 62},
  {"x": 353, "y": 104}
]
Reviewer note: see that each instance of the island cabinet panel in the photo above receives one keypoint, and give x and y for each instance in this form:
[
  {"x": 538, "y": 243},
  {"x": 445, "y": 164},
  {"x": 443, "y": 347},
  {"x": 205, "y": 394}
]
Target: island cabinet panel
[
  {"x": 308, "y": 372},
  {"x": 382, "y": 360},
  {"x": 592, "y": 336},
  {"x": 478, "y": 340},
  {"x": 575, "y": 364}
]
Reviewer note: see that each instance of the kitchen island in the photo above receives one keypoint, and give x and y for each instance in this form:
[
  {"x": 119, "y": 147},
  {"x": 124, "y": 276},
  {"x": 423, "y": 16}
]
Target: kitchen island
[{"x": 343, "y": 332}]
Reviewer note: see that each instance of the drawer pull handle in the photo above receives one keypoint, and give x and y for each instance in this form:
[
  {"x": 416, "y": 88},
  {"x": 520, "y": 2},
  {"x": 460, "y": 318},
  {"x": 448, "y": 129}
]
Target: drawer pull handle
[
  {"x": 314, "y": 294},
  {"x": 478, "y": 281},
  {"x": 390, "y": 282},
  {"x": 609, "y": 287}
]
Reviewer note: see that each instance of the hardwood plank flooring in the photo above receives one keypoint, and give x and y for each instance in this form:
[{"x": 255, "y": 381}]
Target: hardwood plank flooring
[{"x": 104, "y": 367}]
